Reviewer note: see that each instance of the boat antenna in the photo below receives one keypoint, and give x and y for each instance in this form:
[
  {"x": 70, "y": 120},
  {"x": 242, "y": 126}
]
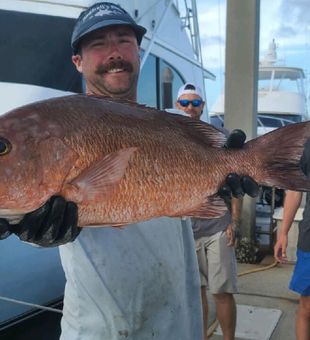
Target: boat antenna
[{"x": 270, "y": 57}]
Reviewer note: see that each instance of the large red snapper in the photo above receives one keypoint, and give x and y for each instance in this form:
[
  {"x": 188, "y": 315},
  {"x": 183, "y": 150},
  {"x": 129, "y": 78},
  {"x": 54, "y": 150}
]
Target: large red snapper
[{"x": 122, "y": 162}]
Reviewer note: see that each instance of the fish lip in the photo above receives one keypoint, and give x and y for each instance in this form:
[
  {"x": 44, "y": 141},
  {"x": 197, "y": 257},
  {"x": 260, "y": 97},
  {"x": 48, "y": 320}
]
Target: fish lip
[
  {"x": 12, "y": 212},
  {"x": 13, "y": 216}
]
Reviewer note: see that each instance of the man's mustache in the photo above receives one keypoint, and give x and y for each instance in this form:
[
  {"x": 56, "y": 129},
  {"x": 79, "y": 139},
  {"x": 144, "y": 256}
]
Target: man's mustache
[{"x": 114, "y": 64}]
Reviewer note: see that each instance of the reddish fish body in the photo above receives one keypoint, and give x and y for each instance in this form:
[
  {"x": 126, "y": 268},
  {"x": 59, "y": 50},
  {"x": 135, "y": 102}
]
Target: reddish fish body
[{"x": 122, "y": 162}]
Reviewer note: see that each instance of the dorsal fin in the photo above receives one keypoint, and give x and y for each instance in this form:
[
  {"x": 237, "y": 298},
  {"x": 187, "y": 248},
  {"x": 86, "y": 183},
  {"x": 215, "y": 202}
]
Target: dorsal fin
[
  {"x": 202, "y": 131},
  {"x": 199, "y": 130},
  {"x": 118, "y": 100}
]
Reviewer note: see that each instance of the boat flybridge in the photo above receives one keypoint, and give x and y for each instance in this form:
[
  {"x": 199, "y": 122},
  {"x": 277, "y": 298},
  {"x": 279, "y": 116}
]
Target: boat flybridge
[
  {"x": 35, "y": 65},
  {"x": 281, "y": 95}
]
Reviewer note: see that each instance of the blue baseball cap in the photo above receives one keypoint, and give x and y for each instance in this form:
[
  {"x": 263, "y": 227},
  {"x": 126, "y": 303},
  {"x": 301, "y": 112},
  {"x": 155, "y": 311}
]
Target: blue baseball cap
[{"x": 99, "y": 15}]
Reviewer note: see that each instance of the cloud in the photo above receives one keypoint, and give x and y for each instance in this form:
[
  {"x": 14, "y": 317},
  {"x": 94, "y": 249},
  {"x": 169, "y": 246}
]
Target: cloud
[
  {"x": 293, "y": 25},
  {"x": 296, "y": 12},
  {"x": 212, "y": 22},
  {"x": 212, "y": 40},
  {"x": 285, "y": 31}
]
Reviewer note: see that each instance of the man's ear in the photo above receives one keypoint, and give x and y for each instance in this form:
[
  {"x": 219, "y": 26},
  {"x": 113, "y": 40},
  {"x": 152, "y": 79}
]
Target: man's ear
[{"x": 77, "y": 61}]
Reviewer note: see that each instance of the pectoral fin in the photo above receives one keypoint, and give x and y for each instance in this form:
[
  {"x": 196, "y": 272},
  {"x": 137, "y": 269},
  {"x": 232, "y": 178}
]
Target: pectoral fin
[
  {"x": 101, "y": 177},
  {"x": 212, "y": 207}
]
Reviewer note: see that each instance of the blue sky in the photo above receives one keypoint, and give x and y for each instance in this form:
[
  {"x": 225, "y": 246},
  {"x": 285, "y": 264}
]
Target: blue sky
[{"x": 286, "y": 21}]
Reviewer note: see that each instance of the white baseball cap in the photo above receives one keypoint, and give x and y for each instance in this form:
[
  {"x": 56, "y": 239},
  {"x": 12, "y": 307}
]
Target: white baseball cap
[{"x": 189, "y": 88}]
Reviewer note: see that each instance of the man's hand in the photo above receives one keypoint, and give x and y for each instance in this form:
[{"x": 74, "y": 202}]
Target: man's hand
[
  {"x": 53, "y": 224},
  {"x": 236, "y": 185},
  {"x": 233, "y": 235},
  {"x": 235, "y": 140},
  {"x": 280, "y": 249}
]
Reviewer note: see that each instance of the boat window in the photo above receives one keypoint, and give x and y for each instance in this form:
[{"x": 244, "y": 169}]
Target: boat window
[
  {"x": 264, "y": 80},
  {"x": 283, "y": 79},
  {"x": 286, "y": 81},
  {"x": 217, "y": 121},
  {"x": 158, "y": 83},
  {"x": 277, "y": 120},
  {"x": 35, "y": 49},
  {"x": 270, "y": 122},
  {"x": 170, "y": 82},
  {"x": 147, "y": 93}
]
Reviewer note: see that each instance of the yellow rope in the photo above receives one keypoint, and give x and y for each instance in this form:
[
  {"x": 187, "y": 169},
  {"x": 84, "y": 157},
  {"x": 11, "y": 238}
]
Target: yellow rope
[{"x": 274, "y": 264}]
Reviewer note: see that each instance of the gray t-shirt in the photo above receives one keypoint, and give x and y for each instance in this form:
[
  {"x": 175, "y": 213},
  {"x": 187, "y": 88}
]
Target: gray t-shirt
[
  {"x": 207, "y": 227},
  {"x": 304, "y": 228},
  {"x": 139, "y": 282}
]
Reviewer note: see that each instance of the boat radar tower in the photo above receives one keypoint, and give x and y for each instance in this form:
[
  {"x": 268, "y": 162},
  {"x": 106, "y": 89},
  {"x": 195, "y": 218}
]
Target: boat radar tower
[{"x": 270, "y": 57}]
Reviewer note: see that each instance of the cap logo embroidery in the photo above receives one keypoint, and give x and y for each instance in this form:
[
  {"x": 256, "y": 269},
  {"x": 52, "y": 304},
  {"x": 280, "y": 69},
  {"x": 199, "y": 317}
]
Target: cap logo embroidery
[{"x": 103, "y": 9}]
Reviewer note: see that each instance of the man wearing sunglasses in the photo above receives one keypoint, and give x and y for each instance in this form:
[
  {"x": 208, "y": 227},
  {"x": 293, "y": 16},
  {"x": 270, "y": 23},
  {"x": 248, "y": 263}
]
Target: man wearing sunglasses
[
  {"x": 190, "y": 101},
  {"x": 215, "y": 240}
]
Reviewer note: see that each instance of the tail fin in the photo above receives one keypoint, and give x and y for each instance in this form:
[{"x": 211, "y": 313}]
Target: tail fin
[{"x": 278, "y": 154}]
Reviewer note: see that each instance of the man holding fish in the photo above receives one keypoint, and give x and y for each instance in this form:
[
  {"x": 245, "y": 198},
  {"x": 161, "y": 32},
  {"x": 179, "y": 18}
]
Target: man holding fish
[{"x": 136, "y": 282}]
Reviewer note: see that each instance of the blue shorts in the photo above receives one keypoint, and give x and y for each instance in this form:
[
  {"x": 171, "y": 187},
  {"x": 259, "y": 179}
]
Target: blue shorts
[{"x": 300, "y": 282}]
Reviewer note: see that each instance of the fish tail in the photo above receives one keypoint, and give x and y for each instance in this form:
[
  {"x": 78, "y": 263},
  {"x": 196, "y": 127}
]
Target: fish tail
[{"x": 277, "y": 157}]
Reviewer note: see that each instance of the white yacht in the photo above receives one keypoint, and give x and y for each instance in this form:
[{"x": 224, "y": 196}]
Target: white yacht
[
  {"x": 281, "y": 95},
  {"x": 36, "y": 64}
]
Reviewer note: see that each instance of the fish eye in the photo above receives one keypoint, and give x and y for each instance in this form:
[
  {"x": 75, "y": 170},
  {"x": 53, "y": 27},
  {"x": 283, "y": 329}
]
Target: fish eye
[{"x": 5, "y": 146}]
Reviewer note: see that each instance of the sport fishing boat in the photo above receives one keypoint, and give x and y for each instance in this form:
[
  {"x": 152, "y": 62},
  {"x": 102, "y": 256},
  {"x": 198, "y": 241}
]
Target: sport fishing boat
[
  {"x": 36, "y": 64},
  {"x": 281, "y": 95}
]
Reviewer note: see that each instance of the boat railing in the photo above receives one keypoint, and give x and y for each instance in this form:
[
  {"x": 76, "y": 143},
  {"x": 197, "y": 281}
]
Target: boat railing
[
  {"x": 265, "y": 122},
  {"x": 271, "y": 121}
]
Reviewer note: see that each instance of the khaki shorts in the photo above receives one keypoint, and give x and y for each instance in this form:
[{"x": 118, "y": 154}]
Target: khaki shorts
[{"x": 217, "y": 263}]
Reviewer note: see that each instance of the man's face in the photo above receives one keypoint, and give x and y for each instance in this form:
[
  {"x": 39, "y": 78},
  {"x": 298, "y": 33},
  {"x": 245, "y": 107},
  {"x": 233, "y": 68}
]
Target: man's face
[
  {"x": 192, "y": 111},
  {"x": 109, "y": 60}
]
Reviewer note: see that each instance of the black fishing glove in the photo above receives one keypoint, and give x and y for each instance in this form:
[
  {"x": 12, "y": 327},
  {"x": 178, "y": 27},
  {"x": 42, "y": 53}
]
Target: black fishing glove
[
  {"x": 236, "y": 185},
  {"x": 305, "y": 159},
  {"x": 53, "y": 224}
]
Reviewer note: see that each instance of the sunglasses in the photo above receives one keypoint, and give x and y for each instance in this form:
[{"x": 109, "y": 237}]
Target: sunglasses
[{"x": 186, "y": 102}]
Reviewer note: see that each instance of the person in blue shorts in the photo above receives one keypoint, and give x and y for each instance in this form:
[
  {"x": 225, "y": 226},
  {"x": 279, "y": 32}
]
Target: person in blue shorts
[{"x": 300, "y": 281}]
